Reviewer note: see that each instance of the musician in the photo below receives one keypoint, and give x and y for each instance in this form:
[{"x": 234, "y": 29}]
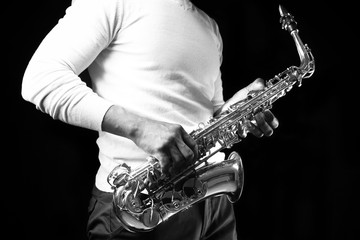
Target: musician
[{"x": 155, "y": 72}]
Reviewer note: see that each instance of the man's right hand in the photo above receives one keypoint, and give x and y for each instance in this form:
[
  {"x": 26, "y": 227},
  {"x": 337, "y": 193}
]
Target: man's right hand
[{"x": 167, "y": 142}]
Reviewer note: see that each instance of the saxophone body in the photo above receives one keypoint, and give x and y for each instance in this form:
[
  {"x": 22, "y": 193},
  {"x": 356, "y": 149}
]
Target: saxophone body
[{"x": 143, "y": 198}]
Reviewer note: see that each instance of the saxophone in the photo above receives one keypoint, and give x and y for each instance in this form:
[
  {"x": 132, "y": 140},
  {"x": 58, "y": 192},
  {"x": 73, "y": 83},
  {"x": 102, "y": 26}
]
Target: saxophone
[{"x": 143, "y": 197}]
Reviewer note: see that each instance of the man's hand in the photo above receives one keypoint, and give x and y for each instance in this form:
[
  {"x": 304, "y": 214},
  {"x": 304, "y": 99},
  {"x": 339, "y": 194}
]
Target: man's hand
[
  {"x": 167, "y": 142},
  {"x": 264, "y": 122}
]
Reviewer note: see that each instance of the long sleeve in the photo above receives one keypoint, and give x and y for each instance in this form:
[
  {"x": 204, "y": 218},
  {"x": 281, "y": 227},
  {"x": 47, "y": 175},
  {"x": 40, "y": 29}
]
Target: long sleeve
[{"x": 51, "y": 80}]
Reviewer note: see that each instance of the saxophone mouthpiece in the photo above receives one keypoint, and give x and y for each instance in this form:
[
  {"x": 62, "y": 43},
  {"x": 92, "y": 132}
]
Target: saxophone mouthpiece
[
  {"x": 287, "y": 20},
  {"x": 283, "y": 11}
]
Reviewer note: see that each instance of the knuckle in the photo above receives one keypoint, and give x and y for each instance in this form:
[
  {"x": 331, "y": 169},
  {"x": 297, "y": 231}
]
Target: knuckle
[
  {"x": 177, "y": 128},
  {"x": 271, "y": 119},
  {"x": 165, "y": 166},
  {"x": 165, "y": 143},
  {"x": 259, "y": 118}
]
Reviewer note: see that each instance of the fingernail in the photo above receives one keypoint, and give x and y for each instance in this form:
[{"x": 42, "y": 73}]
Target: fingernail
[{"x": 276, "y": 123}]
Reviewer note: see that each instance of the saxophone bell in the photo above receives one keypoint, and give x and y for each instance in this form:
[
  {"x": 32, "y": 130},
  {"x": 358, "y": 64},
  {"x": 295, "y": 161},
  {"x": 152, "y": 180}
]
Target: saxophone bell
[{"x": 140, "y": 210}]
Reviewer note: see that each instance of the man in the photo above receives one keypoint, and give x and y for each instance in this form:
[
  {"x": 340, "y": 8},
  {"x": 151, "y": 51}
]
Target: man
[{"x": 155, "y": 71}]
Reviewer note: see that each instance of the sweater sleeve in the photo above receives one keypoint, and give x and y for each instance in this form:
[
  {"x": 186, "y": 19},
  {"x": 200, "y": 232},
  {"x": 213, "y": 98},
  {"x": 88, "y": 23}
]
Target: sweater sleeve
[{"x": 51, "y": 80}]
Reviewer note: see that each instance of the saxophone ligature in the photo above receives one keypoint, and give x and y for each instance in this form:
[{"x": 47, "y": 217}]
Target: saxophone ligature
[{"x": 143, "y": 198}]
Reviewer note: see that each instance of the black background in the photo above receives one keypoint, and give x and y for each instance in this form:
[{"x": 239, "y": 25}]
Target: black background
[{"x": 301, "y": 183}]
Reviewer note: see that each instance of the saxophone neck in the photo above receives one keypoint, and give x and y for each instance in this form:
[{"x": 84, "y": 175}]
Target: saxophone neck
[{"x": 307, "y": 64}]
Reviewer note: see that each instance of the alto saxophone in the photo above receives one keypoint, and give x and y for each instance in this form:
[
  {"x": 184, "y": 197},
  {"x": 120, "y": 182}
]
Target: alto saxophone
[{"x": 143, "y": 198}]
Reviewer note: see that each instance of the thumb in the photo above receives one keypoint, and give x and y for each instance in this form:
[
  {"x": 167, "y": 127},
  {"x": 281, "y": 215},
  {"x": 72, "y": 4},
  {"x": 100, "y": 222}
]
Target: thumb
[{"x": 256, "y": 85}]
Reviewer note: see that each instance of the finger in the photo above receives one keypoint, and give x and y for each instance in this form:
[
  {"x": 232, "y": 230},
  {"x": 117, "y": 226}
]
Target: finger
[
  {"x": 186, "y": 155},
  {"x": 263, "y": 125},
  {"x": 256, "y": 85},
  {"x": 253, "y": 129},
  {"x": 271, "y": 119},
  {"x": 190, "y": 143},
  {"x": 178, "y": 161},
  {"x": 165, "y": 162}
]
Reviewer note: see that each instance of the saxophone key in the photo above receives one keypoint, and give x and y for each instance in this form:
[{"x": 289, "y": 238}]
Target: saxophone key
[
  {"x": 119, "y": 175},
  {"x": 150, "y": 217},
  {"x": 172, "y": 201},
  {"x": 133, "y": 203}
]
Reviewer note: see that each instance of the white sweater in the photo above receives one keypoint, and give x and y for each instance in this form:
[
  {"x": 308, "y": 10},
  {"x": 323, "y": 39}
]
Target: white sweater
[{"x": 159, "y": 58}]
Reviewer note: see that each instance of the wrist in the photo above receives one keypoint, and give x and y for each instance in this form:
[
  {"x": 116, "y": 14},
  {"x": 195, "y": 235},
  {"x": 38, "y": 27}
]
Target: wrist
[{"x": 120, "y": 122}]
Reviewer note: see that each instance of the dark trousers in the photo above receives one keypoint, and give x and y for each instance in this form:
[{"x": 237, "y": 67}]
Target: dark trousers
[{"x": 211, "y": 219}]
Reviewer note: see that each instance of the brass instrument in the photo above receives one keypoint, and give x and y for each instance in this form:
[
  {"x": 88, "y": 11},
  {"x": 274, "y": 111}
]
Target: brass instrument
[{"x": 143, "y": 198}]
